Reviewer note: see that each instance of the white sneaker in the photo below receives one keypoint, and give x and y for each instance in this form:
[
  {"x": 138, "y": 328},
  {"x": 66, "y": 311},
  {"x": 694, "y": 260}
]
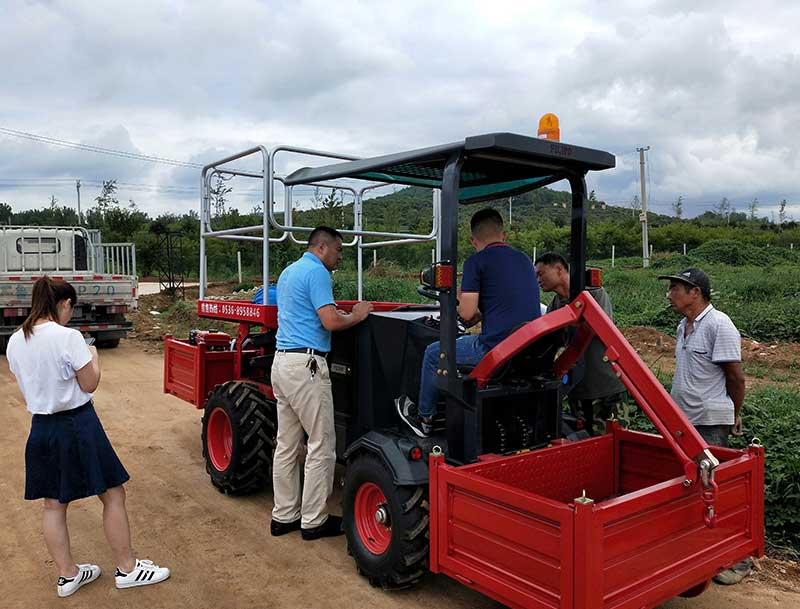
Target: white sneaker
[
  {"x": 143, "y": 574},
  {"x": 86, "y": 574}
]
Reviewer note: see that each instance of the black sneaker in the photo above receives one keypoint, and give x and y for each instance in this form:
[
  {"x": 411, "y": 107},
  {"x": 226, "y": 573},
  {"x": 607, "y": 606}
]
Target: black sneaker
[
  {"x": 277, "y": 529},
  {"x": 332, "y": 527},
  {"x": 410, "y": 415}
]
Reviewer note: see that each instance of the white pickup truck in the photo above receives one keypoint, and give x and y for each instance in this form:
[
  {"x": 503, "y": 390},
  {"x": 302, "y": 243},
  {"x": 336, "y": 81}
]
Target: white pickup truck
[{"x": 103, "y": 274}]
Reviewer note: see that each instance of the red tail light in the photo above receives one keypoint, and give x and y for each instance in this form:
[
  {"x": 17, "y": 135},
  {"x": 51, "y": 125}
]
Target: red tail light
[{"x": 594, "y": 278}]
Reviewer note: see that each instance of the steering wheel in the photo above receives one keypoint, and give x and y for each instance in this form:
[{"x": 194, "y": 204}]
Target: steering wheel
[{"x": 423, "y": 291}]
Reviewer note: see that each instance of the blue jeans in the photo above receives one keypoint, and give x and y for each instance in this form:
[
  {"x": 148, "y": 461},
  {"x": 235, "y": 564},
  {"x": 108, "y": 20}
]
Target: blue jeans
[{"x": 469, "y": 351}]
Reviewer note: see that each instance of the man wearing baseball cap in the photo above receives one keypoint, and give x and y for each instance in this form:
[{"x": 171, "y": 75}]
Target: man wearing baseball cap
[{"x": 709, "y": 382}]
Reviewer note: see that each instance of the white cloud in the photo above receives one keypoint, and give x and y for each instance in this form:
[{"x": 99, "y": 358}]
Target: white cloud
[{"x": 713, "y": 88}]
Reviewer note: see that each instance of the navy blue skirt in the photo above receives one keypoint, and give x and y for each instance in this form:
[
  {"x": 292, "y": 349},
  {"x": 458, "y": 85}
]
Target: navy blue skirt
[{"x": 68, "y": 457}]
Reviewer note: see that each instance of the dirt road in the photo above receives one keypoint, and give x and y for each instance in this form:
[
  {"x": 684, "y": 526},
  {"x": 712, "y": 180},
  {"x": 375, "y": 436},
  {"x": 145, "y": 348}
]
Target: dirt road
[{"x": 218, "y": 547}]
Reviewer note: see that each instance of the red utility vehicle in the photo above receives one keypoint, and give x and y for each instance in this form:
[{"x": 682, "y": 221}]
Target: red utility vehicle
[{"x": 498, "y": 498}]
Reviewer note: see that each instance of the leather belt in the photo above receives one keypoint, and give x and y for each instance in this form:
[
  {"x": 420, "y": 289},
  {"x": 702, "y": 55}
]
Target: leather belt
[{"x": 307, "y": 350}]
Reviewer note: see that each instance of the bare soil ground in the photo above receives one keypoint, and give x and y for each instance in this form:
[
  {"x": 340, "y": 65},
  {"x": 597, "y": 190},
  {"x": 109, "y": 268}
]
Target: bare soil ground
[
  {"x": 771, "y": 362},
  {"x": 219, "y": 547}
]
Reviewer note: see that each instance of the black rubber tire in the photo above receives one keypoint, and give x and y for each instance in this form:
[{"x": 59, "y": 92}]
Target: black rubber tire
[
  {"x": 254, "y": 427},
  {"x": 108, "y": 343},
  {"x": 405, "y": 561},
  {"x": 3, "y": 344}
]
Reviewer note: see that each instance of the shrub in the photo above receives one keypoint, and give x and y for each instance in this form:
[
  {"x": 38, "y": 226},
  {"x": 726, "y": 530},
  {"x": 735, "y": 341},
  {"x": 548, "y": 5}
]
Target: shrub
[
  {"x": 379, "y": 289},
  {"x": 735, "y": 253},
  {"x": 773, "y": 415},
  {"x": 244, "y": 286}
]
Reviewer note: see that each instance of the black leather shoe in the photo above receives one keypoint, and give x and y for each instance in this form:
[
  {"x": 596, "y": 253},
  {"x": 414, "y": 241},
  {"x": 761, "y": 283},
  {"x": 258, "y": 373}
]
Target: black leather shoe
[
  {"x": 332, "y": 527},
  {"x": 281, "y": 528}
]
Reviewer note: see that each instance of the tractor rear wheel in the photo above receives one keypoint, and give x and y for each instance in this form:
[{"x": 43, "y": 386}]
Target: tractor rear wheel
[
  {"x": 386, "y": 525},
  {"x": 239, "y": 430}
]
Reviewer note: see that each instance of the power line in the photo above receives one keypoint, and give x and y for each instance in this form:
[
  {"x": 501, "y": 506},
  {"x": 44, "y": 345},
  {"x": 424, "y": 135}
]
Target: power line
[{"x": 97, "y": 149}]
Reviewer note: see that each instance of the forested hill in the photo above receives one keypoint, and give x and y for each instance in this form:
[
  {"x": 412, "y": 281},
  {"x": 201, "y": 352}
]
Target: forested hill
[
  {"x": 409, "y": 207},
  {"x": 540, "y": 221}
]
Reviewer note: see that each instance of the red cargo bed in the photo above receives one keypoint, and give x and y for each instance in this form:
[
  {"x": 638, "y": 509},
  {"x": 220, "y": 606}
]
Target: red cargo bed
[
  {"x": 192, "y": 371},
  {"x": 511, "y": 526}
]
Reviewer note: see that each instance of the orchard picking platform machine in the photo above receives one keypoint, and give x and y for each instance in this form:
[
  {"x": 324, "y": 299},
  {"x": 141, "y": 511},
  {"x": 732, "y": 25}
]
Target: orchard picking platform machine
[{"x": 497, "y": 498}]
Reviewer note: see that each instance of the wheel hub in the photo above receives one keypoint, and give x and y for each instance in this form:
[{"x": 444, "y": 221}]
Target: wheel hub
[
  {"x": 372, "y": 518},
  {"x": 219, "y": 439},
  {"x": 382, "y": 515}
]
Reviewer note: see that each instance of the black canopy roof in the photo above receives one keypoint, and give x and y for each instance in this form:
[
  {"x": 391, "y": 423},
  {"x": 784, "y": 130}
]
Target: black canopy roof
[{"x": 495, "y": 165}]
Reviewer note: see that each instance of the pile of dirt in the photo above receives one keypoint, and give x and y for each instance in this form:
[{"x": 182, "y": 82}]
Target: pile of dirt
[
  {"x": 768, "y": 362},
  {"x": 781, "y": 574},
  {"x": 162, "y": 314}
]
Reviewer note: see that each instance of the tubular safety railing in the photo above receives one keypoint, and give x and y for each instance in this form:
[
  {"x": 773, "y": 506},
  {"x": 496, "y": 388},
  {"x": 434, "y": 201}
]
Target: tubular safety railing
[
  {"x": 286, "y": 229},
  {"x": 118, "y": 258}
]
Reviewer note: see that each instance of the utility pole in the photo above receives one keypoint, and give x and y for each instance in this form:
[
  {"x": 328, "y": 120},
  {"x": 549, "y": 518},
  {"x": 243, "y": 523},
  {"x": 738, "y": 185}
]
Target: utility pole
[
  {"x": 78, "y": 187},
  {"x": 643, "y": 215}
]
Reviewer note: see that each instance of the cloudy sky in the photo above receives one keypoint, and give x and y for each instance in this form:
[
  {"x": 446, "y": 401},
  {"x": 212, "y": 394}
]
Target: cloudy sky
[{"x": 712, "y": 87}]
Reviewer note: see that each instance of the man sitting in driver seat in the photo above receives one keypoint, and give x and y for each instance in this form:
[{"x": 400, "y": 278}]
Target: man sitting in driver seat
[{"x": 496, "y": 288}]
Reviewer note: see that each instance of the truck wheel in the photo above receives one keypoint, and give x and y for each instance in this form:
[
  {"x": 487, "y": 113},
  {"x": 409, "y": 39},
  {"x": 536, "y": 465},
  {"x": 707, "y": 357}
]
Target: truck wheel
[
  {"x": 239, "y": 429},
  {"x": 3, "y": 344},
  {"x": 386, "y": 525},
  {"x": 108, "y": 343}
]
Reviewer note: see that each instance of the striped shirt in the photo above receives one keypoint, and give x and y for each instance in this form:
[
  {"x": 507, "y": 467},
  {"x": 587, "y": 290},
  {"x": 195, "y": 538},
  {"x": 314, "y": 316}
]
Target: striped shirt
[{"x": 698, "y": 386}]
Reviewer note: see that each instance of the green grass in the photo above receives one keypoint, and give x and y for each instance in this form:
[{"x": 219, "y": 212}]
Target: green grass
[
  {"x": 762, "y": 303},
  {"x": 759, "y": 371},
  {"x": 772, "y": 414},
  {"x": 376, "y": 289}
]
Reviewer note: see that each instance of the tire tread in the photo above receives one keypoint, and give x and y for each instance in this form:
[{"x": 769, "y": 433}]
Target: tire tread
[{"x": 254, "y": 417}]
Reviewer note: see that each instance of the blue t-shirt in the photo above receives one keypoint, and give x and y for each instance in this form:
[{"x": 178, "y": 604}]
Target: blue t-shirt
[
  {"x": 509, "y": 292},
  {"x": 303, "y": 287}
]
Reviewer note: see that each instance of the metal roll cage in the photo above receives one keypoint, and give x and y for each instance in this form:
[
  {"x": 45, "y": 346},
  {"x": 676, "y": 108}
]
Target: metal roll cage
[{"x": 287, "y": 230}]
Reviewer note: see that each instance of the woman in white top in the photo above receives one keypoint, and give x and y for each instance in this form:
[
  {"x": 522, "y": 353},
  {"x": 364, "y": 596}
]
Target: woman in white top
[{"x": 68, "y": 455}]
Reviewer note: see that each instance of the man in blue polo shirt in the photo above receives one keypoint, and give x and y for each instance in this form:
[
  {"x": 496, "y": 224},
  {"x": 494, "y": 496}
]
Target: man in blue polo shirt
[
  {"x": 498, "y": 288},
  {"x": 307, "y": 315}
]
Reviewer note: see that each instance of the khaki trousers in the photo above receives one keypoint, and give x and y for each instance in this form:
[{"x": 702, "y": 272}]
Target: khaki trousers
[{"x": 304, "y": 404}]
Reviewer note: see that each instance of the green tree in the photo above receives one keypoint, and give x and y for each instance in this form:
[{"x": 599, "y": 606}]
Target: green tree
[
  {"x": 753, "y": 208},
  {"x": 677, "y": 207},
  {"x": 5, "y": 213},
  {"x": 107, "y": 196},
  {"x": 723, "y": 209},
  {"x": 331, "y": 207},
  {"x": 219, "y": 193}
]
